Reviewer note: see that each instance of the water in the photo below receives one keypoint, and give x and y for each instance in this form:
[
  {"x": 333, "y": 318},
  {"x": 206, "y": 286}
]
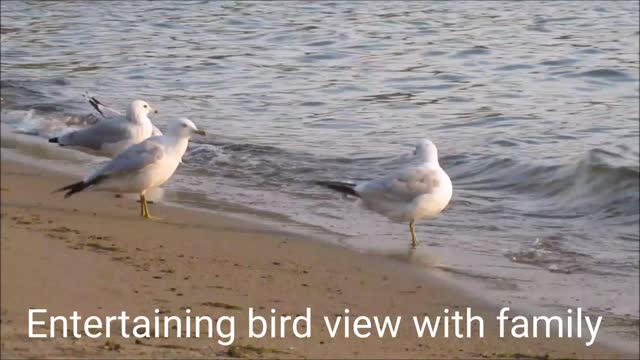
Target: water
[{"x": 534, "y": 109}]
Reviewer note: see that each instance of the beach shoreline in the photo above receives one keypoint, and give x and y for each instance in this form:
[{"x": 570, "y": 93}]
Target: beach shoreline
[{"x": 93, "y": 254}]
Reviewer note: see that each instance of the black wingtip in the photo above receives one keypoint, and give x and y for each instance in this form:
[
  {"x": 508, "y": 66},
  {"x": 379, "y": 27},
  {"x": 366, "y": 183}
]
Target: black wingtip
[
  {"x": 96, "y": 105},
  {"x": 98, "y": 102},
  {"x": 54, "y": 140},
  {"x": 80, "y": 185},
  {"x": 73, "y": 188},
  {"x": 343, "y": 187}
]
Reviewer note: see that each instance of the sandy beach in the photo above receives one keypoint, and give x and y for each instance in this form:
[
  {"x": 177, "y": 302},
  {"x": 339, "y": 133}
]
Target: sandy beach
[{"x": 93, "y": 254}]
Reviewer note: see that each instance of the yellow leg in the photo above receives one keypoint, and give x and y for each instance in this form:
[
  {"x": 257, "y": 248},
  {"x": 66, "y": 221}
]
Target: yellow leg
[
  {"x": 145, "y": 213},
  {"x": 412, "y": 228}
]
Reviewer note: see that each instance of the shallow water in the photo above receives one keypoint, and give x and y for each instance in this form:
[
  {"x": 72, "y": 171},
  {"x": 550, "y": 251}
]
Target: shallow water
[{"x": 534, "y": 109}]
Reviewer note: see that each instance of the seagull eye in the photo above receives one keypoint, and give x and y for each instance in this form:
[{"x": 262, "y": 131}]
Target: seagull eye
[
  {"x": 184, "y": 125},
  {"x": 145, "y": 106}
]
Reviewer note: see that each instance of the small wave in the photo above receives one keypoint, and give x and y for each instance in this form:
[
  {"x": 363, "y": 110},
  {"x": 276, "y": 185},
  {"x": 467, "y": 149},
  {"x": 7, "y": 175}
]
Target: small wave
[
  {"x": 559, "y": 62},
  {"x": 598, "y": 184},
  {"x": 389, "y": 97},
  {"x": 513, "y": 67},
  {"x": 545, "y": 20},
  {"x": 550, "y": 254},
  {"x": 610, "y": 74},
  {"x": 476, "y": 50},
  {"x": 45, "y": 123}
]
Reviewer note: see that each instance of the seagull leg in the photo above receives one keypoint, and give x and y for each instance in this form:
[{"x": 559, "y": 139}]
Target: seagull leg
[
  {"x": 143, "y": 211},
  {"x": 412, "y": 228},
  {"x": 145, "y": 207},
  {"x": 143, "y": 202}
]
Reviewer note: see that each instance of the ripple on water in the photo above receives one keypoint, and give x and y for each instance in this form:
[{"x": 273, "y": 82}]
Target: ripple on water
[
  {"x": 608, "y": 74},
  {"x": 591, "y": 51},
  {"x": 513, "y": 67},
  {"x": 559, "y": 62},
  {"x": 551, "y": 255},
  {"x": 317, "y": 57},
  {"x": 434, "y": 53},
  {"x": 476, "y": 50},
  {"x": 321, "y": 43}
]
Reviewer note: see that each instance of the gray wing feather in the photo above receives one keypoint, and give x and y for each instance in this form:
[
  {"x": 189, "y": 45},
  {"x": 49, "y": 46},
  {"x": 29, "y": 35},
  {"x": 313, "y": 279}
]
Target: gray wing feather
[
  {"x": 105, "y": 108},
  {"x": 95, "y": 136},
  {"x": 404, "y": 185},
  {"x": 133, "y": 159}
]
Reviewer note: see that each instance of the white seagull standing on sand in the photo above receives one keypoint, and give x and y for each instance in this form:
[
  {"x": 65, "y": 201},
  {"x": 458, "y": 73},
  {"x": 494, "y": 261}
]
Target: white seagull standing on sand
[
  {"x": 111, "y": 136},
  {"x": 413, "y": 193},
  {"x": 142, "y": 166}
]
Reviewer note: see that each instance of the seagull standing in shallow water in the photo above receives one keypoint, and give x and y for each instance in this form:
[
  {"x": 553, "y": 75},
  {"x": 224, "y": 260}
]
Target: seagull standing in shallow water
[
  {"x": 142, "y": 166},
  {"x": 110, "y": 136},
  {"x": 102, "y": 108},
  {"x": 408, "y": 195}
]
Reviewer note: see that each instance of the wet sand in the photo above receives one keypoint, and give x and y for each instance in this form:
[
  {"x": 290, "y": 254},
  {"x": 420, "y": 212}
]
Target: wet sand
[{"x": 92, "y": 253}]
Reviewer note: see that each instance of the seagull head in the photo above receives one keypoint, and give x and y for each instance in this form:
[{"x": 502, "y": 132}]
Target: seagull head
[
  {"x": 184, "y": 127},
  {"x": 426, "y": 150},
  {"x": 139, "y": 109}
]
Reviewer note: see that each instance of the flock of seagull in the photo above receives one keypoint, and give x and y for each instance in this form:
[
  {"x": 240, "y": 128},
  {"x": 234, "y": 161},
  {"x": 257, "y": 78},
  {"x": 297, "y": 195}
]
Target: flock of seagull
[{"x": 143, "y": 157}]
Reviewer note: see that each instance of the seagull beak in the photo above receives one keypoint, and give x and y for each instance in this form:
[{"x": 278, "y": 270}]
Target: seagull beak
[
  {"x": 155, "y": 111},
  {"x": 200, "y": 132}
]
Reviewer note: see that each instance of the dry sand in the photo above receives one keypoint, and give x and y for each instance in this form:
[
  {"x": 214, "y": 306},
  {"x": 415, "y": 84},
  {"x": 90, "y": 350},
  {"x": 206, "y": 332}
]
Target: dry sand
[{"x": 92, "y": 253}]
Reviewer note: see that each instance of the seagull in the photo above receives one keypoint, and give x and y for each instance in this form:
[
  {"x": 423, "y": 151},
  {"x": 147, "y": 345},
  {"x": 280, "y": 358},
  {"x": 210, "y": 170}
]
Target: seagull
[
  {"x": 110, "y": 136},
  {"x": 101, "y": 108},
  {"x": 142, "y": 166},
  {"x": 408, "y": 195}
]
